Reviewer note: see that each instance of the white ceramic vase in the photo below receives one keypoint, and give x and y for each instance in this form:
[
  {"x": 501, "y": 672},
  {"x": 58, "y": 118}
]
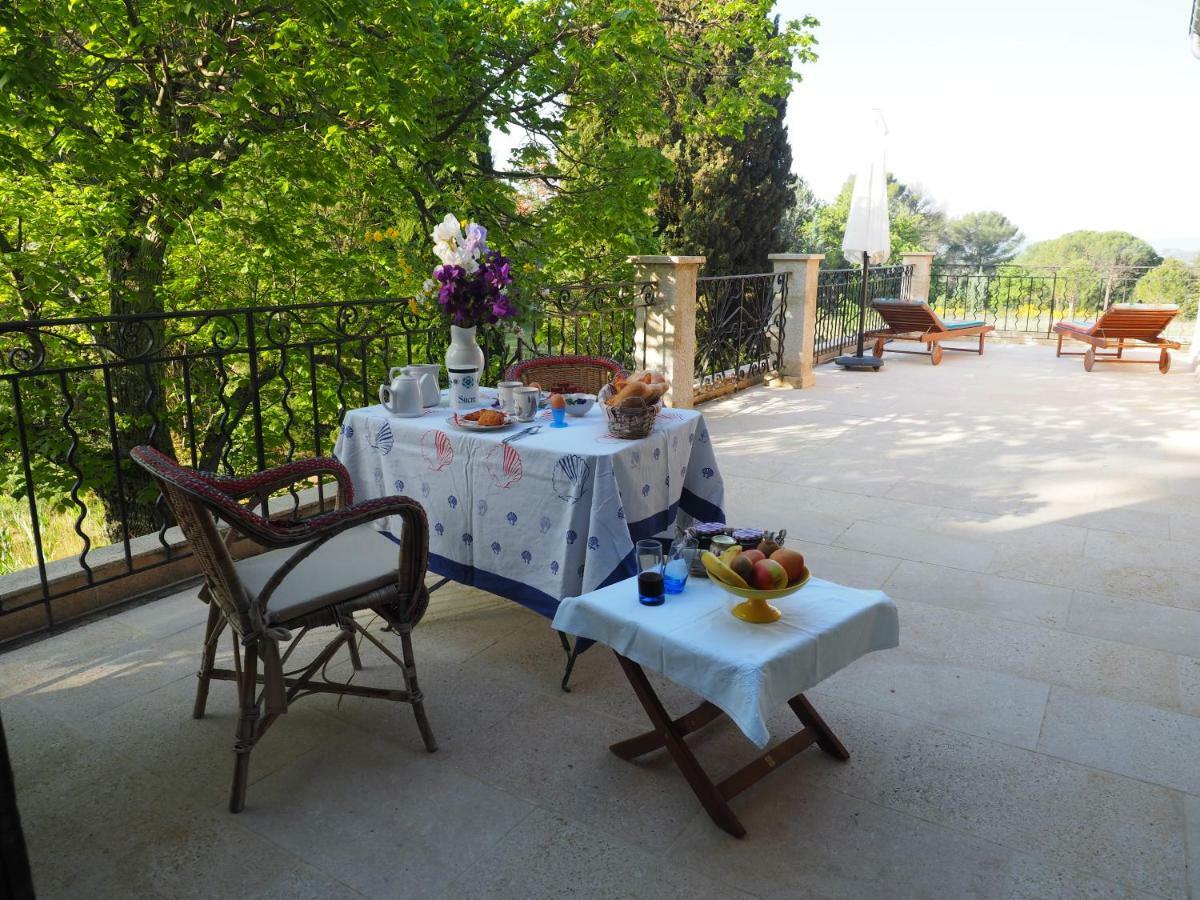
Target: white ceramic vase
[{"x": 464, "y": 364}]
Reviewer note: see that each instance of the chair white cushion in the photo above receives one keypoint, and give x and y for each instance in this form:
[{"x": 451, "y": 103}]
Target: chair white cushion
[{"x": 345, "y": 567}]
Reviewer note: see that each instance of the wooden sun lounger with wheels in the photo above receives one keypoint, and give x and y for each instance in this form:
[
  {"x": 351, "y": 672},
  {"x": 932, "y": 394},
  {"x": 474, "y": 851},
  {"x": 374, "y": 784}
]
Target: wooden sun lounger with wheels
[
  {"x": 1122, "y": 322},
  {"x": 915, "y": 320}
]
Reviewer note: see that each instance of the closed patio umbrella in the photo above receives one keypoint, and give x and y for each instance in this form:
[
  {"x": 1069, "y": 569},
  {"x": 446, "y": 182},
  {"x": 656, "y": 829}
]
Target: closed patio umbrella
[{"x": 867, "y": 237}]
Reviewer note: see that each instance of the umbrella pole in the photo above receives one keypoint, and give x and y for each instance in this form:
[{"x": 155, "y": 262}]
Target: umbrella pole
[{"x": 862, "y": 304}]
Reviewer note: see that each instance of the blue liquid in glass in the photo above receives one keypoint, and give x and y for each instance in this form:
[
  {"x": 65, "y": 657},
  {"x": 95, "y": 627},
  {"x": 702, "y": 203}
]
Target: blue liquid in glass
[{"x": 675, "y": 576}]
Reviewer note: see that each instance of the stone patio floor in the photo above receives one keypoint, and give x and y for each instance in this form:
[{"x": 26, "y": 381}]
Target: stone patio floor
[{"x": 1037, "y": 734}]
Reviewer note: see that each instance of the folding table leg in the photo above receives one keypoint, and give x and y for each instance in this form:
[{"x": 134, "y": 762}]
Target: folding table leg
[
  {"x": 669, "y": 733},
  {"x": 710, "y": 798}
]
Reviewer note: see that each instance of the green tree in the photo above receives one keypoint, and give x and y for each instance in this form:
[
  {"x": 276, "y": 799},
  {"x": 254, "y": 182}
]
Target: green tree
[
  {"x": 729, "y": 190},
  {"x": 795, "y": 231},
  {"x": 911, "y": 219},
  {"x": 1094, "y": 249},
  {"x": 173, "y": 154},
  {"x": 980, "y": 239},
  {"x": 1171, "y": 282}
]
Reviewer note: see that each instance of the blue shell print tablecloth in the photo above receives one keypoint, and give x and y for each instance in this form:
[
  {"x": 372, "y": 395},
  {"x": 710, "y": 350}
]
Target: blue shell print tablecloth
[{"x": 555, "y": 514}]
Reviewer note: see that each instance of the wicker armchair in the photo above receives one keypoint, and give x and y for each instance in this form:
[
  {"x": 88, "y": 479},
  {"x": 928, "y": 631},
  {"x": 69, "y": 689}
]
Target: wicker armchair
[
  {"x": 586, "y": 374},
  {"x": 316, "y": 572}
]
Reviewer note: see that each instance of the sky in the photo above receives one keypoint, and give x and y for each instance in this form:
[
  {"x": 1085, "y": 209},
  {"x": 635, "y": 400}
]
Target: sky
[{"x": 1061, "y": 114}]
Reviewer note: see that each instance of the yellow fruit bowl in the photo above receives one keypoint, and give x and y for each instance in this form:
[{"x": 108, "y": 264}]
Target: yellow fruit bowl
[{"x": 755, "y": 607}]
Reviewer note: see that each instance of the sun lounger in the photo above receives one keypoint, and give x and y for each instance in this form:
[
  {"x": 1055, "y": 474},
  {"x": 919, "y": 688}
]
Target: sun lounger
[
  {"x": 914, "y": 320},
  {"x": 1122, "y": 322}
]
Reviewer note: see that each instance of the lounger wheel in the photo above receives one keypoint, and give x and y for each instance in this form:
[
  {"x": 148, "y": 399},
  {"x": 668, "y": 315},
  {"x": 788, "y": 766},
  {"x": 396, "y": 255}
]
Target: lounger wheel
[
  {"x": 1164, "y": 361},
  {"x": 879, "y": 342},
  {"x": 1089, "y": 360},
  {"x": 935, "y": 353}
]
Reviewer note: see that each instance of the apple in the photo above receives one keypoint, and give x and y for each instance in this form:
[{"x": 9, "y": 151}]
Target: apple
[
  {"x": 792, "y": 562},
  {"x": 744, "y": 566},
  {"x": 769, "y": 575},
  {"x": 754, "y": 555}
]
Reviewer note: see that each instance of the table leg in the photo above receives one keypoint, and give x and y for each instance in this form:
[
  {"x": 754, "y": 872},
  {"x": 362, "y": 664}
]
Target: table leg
[
  {"x": 712, "y": 801},
  {"x": 669, "y": 733},
  {"x": 572, "y": 655}
]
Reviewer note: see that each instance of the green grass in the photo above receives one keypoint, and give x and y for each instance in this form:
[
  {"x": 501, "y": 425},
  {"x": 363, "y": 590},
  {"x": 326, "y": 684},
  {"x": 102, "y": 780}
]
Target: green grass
[{"x": 57, "y": 529}]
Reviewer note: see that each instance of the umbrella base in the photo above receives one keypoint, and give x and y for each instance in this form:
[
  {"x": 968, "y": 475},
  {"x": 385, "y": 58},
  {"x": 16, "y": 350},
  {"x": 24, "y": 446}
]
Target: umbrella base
[{"x": 860, "y": 362}]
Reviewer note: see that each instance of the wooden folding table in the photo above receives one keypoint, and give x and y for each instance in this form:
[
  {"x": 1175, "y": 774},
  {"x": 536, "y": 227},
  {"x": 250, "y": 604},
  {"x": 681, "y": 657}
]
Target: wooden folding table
[{"x": 738, "y": 668}]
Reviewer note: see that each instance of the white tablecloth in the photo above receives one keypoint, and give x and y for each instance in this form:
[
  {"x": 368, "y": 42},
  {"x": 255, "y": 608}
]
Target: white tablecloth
[
  {"x": 551, "y": 515},
  {"x": 747, "y": 670}
]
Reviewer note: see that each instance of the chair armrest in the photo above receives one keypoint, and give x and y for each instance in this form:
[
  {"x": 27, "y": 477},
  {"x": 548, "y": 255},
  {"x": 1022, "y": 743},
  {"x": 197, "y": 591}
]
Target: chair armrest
[{"x": 285, "y": 476}]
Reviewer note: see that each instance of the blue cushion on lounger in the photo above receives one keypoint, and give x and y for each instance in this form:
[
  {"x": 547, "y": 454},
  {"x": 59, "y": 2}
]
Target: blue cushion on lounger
[{"x": 952, "y": 325}]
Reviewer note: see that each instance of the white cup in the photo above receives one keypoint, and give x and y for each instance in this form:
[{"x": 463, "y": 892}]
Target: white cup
[
  {"x": 525, "y": 403},
  {"x": 504, "y": 390}
]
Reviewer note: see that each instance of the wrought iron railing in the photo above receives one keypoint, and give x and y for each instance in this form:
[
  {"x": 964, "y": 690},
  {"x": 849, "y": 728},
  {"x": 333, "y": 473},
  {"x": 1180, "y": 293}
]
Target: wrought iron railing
[
  {"x": 225, "y": 390},
  {"x": 1030, "y": 300},
  {"x": 839, "y": 294},
  {"x": 739, "y": 330}
]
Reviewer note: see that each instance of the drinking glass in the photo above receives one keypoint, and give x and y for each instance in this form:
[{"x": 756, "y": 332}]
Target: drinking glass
[
  {"x": 650, "y": 578},
  {"x": 679, "y": 564}
]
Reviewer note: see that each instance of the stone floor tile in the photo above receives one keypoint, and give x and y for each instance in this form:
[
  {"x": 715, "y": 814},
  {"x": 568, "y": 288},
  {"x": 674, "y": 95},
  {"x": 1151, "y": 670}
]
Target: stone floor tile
[
  {"x": 1031, "y": 878},
  {"x": 1122, "y": 830},
  {"x": 383, "y": 821},
  {"x": 849, "y": 567},
  {"x": 992, "y": 595},
  {"x": 1119, "y": 670},
  {"x": 988, "y": 704},
  {"x": 168, "y": 615},
  {"x": 1140, "y": 551},
  {"x": 906, "y": 543},
  {"x": 805, "y": 840},
  {"x": 156, "y": 731},
  {"x": 1189, "y": 685},
  {"x": 1141, "y": 522},
  {"x": 1145, "y": 624},
  {"x": 1126, "y": 738},
  {"x": 548, "y": 856},
  {"x": 1099, "y": 576},
  {"x": 559, "y": 759},
  {"x": 1192, "y": 807}
]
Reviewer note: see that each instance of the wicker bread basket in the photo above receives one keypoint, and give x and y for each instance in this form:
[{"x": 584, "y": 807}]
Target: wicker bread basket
[{"x": 628, "y": 422}]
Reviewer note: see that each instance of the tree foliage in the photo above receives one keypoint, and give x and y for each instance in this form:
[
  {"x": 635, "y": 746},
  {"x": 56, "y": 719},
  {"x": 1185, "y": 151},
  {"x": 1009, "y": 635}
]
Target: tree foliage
[
  {"x": 184, "y": 154},
  {"x": 1171, "y": 282},
  {"x": 980, "y": 239},
  {"x": 1091, "y": 249},
  {"x": 913, "y": 219},
  {"x": 728, "y": 191}
]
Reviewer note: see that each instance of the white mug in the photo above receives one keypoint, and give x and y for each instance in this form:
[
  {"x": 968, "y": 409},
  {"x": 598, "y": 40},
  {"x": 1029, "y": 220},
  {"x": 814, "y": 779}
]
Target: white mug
[
  {"x": 525, "y": 403},
  {"x": 504, "y": 390}
]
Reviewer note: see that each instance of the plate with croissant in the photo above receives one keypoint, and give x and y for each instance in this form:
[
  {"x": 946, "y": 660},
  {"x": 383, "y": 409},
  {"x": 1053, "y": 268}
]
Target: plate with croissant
[{"x": 481, "y": 420}]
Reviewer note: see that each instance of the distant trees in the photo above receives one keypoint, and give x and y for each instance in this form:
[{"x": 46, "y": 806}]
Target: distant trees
[
  {"x": 980, "y": 239},
  {"x": 1094, "y": 249},
  {"x": 813, "y": 227},
  {"x": 1172, "y": 282}
]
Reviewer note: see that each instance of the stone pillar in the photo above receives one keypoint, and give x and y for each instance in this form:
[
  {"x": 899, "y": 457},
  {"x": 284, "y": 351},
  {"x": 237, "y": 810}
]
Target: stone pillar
[
  {"x": 668, "y": 331},
  {"x": 922, "y": 267},
  {"x": 800, "y": 323}
]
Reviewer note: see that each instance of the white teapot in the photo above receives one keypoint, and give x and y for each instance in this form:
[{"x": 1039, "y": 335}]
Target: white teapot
[
  {"x": 427, "y": 379},
  {"x": 403, "y": 396}
]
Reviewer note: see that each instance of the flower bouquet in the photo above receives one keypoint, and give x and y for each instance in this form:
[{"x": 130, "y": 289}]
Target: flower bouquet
[{"x": 470, "y": 287}]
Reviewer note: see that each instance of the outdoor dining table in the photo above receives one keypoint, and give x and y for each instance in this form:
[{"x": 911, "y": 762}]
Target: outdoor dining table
[
  {"x": 550, "y": 515},
  {"x": 740, "y": 669}
]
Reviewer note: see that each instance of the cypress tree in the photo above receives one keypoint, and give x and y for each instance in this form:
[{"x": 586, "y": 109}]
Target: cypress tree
[{"x": 727, "y": 195}]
